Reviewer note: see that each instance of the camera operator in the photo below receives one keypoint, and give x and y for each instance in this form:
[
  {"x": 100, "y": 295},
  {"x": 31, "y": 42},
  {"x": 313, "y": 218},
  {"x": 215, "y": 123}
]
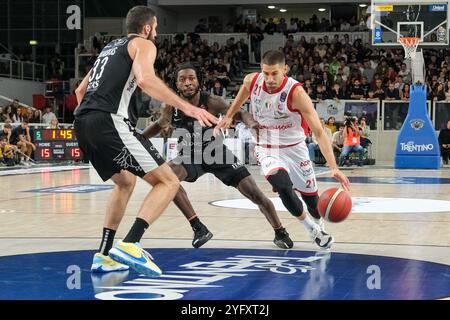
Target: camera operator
[{"x": 351, "y": 141}]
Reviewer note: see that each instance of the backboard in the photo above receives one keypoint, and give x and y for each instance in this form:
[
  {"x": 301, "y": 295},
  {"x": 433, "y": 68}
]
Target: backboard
[{"x": 427, "y": 19}]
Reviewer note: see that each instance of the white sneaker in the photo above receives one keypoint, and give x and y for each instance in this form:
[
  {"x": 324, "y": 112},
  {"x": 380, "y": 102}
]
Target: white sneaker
[
  {"x": 320, "y": 222},
  {"x": 321, "y": 238}
]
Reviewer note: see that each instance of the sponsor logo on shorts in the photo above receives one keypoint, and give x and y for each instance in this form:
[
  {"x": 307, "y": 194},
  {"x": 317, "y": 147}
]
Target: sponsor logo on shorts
[
  {"x": 125, "y": 160},
  {"x": 306, "y": 168}
]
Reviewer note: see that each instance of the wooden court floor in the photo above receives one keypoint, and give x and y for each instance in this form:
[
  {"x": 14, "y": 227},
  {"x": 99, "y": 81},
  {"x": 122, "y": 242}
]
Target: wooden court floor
[{"x": 401, "y": 214}]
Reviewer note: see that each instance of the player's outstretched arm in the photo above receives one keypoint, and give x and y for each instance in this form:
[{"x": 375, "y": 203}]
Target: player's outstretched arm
[
  {"x": 302, "y": 102},
  {"x": 143, "y": 53},
  {"x": 164, "y": 120},
  {"x": 241, "y": 97}
]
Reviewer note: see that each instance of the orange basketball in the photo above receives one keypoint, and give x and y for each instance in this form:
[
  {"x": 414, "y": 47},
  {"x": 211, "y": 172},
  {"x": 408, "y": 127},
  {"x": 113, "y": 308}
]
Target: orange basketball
[{"x": 335, "y": 204}]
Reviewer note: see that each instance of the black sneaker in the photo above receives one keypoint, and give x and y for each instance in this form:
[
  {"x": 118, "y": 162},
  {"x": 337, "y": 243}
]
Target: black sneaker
[
  {"x": 282, "y": 239},
  {"x": 201, "y": 236}
]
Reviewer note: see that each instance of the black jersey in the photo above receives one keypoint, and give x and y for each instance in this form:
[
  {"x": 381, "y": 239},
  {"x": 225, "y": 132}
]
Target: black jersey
[
  {"x": 191, "y": 128},
  {"x": 112, "y": 82}
]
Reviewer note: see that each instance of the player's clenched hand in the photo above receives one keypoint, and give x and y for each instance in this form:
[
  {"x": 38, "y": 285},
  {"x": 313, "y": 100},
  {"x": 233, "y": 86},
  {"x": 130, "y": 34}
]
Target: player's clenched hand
[
  {"x": 342, "y": 178},
  {"x": 204, "y": 117}
]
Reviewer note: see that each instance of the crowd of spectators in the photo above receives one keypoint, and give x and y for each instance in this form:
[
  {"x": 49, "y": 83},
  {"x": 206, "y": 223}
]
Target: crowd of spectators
[
  {"x": 280, "y": 25},
  {"x": 338, "y": 69},
  {"x": 217, "y": 63},
  {"x": 16, "y": 133}
]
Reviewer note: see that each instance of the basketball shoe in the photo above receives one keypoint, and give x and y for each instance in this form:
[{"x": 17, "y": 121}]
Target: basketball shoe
[
  {"x": 282, "y": 239},
  {"x": 320, "y": 223},
  {"x": 102, "y": 263},
  {"x": 201, "y": 236},
  {"x": 132, "y": 255},
  {"x": 321, "y": 238}
]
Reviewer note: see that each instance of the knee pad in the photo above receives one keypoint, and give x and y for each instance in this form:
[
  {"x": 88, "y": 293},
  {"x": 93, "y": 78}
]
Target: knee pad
[
  {"x": 282, "y": 183},
  {"x": 311, "y": 203}
]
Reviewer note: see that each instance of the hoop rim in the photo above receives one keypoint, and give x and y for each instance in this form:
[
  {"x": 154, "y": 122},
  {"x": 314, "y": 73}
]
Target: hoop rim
[{"x": 409, "y": 41}]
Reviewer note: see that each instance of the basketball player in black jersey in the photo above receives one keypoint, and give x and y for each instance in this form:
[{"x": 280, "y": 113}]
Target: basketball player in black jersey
[
  {"x": 231, "y": 173},
  {"x": 113, "y": 147}
]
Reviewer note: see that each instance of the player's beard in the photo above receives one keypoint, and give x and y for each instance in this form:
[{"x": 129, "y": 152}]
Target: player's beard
[
  {"x": 151, "y": 38},
  {"x": 192, "y": 95}
]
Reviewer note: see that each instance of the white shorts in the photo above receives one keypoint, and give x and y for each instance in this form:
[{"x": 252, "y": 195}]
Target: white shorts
[{"x": 295, "y": 160}]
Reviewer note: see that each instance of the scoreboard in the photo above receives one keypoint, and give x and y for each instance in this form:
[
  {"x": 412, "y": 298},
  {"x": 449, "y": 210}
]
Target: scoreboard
[{"x": 56, "y": 144}]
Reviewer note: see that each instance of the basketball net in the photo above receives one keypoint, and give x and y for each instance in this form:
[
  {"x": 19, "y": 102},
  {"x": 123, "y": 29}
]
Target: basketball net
[{"x": 410, "y": 45}]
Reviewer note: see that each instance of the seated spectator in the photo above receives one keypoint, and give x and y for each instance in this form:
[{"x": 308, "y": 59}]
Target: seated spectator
[
  {"x": 439, "y": 94},
  {"x": 48, "y": 115},
  {"x": 219, "y": 90},
  {"x": 35, "y": 116},
  {"x": 391, "y": 74},
  {"x": 337, "y": 93},
  {"x": 270, "y": 27},
  {"x": 54, "y": 124},
  {"x": 7, "y": 152},
  {"x": 313, "y": 146},
  {"x": 404, "y": 93},
  {"x": 365, "y": 86},
  {"x": 338, "y": 141},
  {"x": 365, "y": 133},
  {"x": 6, "y": 131},
  {"x": 331, "y": 124},
  {"x": 21, "y": 137},
  {"x": 371, "y": 96},
  {"x": 220, "y": 72},
  {"x": 355, "y": 91},
  {"x": 351, "y": 142},
  {"x": 405, "y": 73},
  {"x": 391, "y": 93},
  {"x": 321, "y": 93},
  {"x": 444, "y": 143}
]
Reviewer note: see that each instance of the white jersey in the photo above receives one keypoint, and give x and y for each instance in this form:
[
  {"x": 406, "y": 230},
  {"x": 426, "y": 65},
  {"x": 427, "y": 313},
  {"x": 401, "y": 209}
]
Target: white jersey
[{"x": 280, "y": 124}]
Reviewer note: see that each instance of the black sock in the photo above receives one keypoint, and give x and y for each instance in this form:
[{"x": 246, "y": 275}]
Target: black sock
[
  {"x": 137, "y": 231},
  {"x": 107, "y": 241},
  {"x": 195, "y": 223}
]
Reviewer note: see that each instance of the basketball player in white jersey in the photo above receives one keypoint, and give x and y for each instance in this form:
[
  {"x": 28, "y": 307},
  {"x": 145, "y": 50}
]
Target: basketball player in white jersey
[{"x": 284, "y": 110}]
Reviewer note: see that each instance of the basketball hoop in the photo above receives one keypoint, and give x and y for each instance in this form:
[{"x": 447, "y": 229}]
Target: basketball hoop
[{"x": 410, "y": 45}]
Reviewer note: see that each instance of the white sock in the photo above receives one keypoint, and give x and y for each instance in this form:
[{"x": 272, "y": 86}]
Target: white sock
[{"x": 308, "y": 223}]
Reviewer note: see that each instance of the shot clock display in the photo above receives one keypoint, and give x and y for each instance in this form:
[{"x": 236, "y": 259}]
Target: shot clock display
[{"x": 56, "y": 144}]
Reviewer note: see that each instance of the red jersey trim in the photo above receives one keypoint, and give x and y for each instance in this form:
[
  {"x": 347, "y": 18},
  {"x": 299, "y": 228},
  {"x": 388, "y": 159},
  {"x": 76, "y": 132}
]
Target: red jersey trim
[
  {"x": 308, "y": 193},
  {"x": 277, "y": 146},
  {"x": 304, "y": 124}
]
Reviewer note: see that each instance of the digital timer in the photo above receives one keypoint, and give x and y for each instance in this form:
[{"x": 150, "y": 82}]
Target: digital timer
[{"x": 56, "y": 144}]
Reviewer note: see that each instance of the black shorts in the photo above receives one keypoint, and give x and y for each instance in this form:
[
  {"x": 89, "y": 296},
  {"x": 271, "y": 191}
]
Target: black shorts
[
  {"x": 111, "y": 144},
  {"x": 230, "y": 173}
]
